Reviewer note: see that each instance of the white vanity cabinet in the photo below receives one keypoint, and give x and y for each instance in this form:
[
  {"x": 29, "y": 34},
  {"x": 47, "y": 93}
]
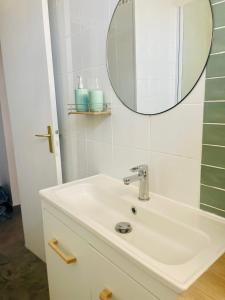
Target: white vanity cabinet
[
  {"x": 169, "y": 247},
  {"x": 76, "y": 271}
]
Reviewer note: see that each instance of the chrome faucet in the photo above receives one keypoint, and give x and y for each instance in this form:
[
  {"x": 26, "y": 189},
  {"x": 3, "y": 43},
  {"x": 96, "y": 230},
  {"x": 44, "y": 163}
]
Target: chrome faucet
[{"x": 142, "y": 176}]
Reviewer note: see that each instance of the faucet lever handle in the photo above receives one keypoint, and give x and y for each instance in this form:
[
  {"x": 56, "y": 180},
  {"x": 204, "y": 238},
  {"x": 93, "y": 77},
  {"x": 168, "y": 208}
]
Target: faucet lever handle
[
  {"x": 140, "y": 168},
  {"x": 135, "y": 169}
]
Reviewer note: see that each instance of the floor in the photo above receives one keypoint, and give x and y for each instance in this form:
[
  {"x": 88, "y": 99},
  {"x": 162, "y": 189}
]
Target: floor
[
  {"x": 210, "y": 286},
  {"x": 22, "y": 275}
]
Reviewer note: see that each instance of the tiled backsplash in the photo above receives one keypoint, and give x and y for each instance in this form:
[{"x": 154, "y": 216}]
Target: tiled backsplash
[
  {"x": 213, "y": 152},
  {"x": 171, "y": 143}
]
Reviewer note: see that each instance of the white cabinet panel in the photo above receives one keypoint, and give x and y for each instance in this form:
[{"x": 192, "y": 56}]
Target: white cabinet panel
[
  {"x": 106, "y": 276},
  {"x": 66, "y": 281}
]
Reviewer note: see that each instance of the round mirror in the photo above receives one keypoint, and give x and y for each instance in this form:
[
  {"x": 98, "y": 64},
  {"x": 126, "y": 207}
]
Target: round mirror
[{"x": 157, "y": 51}]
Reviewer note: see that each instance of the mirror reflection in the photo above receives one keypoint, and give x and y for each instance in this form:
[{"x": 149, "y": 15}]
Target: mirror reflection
[{"x": 157, "y": 51}]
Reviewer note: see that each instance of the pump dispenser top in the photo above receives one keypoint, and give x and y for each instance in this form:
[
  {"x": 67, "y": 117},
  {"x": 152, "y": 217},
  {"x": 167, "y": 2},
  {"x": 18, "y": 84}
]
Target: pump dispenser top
[
  {"x": 80, "y": 82},
  {"x": 97, "y": 84}
]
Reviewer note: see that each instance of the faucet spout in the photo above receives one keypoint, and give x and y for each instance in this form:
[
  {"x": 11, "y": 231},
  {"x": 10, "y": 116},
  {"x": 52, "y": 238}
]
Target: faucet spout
[
  {"x": 143, "y": 177},
  {"x": 130, "y": 179}
]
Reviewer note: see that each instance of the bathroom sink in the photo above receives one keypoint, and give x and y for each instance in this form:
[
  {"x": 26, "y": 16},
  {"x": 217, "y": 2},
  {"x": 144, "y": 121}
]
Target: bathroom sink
[{"x": 174, "y": 242}]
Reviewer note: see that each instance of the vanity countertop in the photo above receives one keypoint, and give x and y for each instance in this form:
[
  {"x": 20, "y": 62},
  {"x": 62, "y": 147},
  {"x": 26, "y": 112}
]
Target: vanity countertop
[
  {"x": 210, "y": 286},
  {"x": 186, "y": 240}
]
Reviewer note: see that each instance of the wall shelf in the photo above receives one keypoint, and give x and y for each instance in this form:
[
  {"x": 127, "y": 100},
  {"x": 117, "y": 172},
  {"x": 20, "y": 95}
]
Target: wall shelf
[
  {"x": 106, "y": 112},
  {"x": 89, "y": 113}
]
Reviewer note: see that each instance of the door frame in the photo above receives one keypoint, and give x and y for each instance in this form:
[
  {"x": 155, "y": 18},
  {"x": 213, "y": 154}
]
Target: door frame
[{"x": 51, "y": 78}]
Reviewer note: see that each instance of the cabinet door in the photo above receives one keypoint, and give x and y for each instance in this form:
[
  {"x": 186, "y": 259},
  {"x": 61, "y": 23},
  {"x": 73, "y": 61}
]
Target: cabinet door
[
  {"x": 66, "y": 256},
  {"x": 108, "y": 282}
]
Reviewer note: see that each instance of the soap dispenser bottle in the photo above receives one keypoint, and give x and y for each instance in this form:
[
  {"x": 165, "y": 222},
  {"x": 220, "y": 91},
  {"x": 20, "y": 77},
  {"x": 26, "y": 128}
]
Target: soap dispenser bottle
[
  {"x": 96, "y": 99},
  {"x": 81, "y": 97}
]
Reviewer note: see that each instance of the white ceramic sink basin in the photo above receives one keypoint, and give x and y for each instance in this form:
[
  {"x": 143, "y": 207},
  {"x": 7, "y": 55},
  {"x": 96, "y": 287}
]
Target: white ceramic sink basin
[{"x": 174, "y": 242}]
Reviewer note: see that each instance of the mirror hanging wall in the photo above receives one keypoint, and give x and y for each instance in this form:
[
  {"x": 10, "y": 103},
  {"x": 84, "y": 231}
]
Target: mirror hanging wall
[{"x": 149, "y": 74}]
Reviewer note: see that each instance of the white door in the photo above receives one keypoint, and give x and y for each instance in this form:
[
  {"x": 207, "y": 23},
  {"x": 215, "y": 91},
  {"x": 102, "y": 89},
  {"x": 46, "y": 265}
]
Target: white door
[{"x": 29, "y": 82}]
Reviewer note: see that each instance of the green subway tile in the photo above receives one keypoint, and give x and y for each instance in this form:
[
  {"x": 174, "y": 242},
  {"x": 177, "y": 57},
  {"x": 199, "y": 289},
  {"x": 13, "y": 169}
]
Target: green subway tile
[
  {"x": 215, "y": 89},
  {"x": 213, "y": 177},
  {"x": 213, "y": 197},
  {"x": 214, "y": 112},
  {"x": 213, "y": 156},
  {"x": 216, "y": 66},
  {"x": 213, "y": 210},
  {"x": 214, "y": 134},
  {"x": 218, "y": 40},
  {"x": 219, "y": 14}
]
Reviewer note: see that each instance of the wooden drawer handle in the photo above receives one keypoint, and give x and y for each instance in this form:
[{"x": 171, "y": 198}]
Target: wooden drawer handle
[
  {"x": 68, "y": 259},
  {"x": 105, "y": 294}
]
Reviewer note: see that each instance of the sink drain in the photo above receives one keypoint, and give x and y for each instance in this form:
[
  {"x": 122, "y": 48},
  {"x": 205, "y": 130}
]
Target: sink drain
[{"x": 123, "y": 227}]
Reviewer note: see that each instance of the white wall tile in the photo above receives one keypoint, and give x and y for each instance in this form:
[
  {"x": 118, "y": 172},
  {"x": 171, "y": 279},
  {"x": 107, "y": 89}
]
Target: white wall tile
[
  {"x": 125, "y": 158},
  {"x": 179, "y": 131},
  {"x": 130, "y": 129},
  {"x": 93, "y": 50},
  {"x": 77, "y": 45},
  {"x": 197, "y": 96},
  {"x": 100, "y": 129},
  {"x": 79, "y": 157},
  {"x": 77, "y": 126},
  {"x": 67, "y": 158},
  {"x": 61, "y": 96},
  {"x": 175, "y": 177},
  {"x": 99, "y": 158}
]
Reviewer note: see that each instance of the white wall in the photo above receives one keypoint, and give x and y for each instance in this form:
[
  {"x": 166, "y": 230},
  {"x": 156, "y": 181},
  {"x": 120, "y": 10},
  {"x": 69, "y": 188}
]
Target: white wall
[
  {"x": 170, "y": 143},
  {"x": 8, "y": 139},
  {"x": 4, "y": 172}
]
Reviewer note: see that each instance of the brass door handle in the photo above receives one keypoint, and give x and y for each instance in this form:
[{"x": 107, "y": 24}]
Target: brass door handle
[
  {"x": 105, "y": 294},
  {"x": 49, "y": 137},
  {"x": 43, "y": 135},
  {"x": 69, "y": 259}
]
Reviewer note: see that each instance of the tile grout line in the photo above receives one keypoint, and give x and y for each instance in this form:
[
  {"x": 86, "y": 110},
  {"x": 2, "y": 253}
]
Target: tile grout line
[
  {"x": 217, "y": 53},
  {"x": 219, "y": 2},
  {"x": 218, "y": 28},
  {"x": 214, "y": 167},
  {"x": 219, "y": 124},
  {"x": 210, "y": 206},
  {"x": 214, "y": 101},
  {"x": 211, "y": 145},
  {"x": 213, "y": 187},
  {"x": 215, "y": 77}
]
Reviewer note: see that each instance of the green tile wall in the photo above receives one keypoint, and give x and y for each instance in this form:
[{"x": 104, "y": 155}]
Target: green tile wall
[
  {"x": 214, "y": 134},
  {"x": 213, "y": 156},
  {"x": 213, "y": 150},
  {"x": 215, "y": 88}
]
